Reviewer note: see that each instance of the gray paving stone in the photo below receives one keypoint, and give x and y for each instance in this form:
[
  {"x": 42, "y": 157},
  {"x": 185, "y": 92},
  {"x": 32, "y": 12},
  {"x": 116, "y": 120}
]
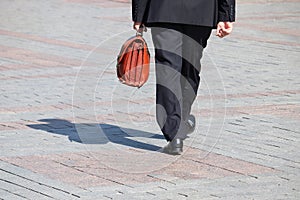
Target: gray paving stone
[{"x": 253, "y": 74}]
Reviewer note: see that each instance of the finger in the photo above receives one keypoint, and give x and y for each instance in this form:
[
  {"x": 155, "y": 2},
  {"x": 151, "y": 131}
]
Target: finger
[
  {"x": 220, "y": 28},
  {"x": 218, "y": 32},
  {"x": 136, "y": 27},
  {"x": 225, "y": 33},
  {"x": 227, "y": 30},
  {"x": 219, "y": 35}
]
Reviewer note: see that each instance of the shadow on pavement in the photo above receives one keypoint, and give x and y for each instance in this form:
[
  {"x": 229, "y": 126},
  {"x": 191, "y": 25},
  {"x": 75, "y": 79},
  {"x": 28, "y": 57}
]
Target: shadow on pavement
[{"x": 97, "y": 133}]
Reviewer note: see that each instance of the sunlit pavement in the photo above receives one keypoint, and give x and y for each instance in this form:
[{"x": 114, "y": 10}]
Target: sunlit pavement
[{"x": 70, "y": 130}]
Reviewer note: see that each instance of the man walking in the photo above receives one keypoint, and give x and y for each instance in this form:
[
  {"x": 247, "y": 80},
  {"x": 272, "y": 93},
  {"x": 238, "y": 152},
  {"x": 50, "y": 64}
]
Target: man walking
[{"x": 180, "y": 30}]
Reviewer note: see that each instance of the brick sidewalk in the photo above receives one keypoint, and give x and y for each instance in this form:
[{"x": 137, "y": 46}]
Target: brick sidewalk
[{"x": 70, "y": 130}]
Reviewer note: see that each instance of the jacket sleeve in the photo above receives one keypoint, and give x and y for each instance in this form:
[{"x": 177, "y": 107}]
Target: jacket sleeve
[
  {"x": 226, "y": 10},
  {"x": 139, "y": 9}
]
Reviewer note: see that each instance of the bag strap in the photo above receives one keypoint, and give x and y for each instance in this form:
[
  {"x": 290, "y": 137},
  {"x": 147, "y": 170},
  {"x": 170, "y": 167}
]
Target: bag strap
[{"x": 143, "y": 29}]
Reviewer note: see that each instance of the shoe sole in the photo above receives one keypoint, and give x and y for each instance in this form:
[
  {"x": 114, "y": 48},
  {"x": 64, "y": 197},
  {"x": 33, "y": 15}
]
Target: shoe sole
[{"x": 177, "y": 151}]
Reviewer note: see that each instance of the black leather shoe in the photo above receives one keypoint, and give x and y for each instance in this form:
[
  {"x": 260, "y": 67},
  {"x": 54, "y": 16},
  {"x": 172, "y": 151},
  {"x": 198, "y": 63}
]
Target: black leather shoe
[
  {"x": 191, "y": 122},
  {"x": 174, "y": 147}
]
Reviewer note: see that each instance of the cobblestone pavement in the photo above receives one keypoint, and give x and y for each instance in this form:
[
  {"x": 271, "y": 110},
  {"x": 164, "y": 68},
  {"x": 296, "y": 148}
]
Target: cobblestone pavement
[{"x": 70, "y": 130}]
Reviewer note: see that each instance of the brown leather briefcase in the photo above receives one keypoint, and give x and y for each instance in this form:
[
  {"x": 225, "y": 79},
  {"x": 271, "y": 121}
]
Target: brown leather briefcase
[{"x": 133, "y": 62}]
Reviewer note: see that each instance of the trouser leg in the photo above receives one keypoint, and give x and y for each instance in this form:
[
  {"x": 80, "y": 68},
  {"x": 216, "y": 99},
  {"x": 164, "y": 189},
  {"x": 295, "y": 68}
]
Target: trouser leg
[
  {"x": 168, "y": 47},
  {"x": 194, "y": 41},
  {"x": 178, "y": 50}
]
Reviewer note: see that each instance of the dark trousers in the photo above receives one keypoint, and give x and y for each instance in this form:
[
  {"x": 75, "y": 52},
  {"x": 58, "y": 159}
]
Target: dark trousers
[{"x": 178, "y": 50}]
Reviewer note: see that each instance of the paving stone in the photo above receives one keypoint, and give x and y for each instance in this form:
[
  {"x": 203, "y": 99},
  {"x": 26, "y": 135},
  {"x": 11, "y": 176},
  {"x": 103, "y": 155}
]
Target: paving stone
[{"x": 58, "y": 84}]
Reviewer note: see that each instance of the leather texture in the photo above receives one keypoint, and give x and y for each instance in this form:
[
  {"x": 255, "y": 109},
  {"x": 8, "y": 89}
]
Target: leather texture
[
  {"x": 174, "y": 147},
  {"x": 133, "y": 62}
]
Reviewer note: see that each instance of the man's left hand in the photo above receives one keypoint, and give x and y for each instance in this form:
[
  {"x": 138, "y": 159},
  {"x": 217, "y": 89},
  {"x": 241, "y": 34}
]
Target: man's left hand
[{"x": 224, "y": 29}]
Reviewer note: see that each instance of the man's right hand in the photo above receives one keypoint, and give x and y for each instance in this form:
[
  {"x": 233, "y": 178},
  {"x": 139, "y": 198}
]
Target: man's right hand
[{"x": 137, "y": 25}]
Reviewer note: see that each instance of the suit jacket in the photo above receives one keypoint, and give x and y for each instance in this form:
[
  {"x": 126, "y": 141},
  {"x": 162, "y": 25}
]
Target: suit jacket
[{"x": 193, "y": 12}]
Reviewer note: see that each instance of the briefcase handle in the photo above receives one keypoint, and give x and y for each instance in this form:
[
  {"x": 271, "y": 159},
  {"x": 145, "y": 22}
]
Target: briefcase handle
[{"x": 141, "y": 30}]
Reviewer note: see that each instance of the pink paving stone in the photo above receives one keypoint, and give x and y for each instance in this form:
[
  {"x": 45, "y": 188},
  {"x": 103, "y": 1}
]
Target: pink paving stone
[
  {"x": 188, "y": 169},
  {"x": 37, "y": 58},
  {"x": 248, "y": 95},
  {"x": 102, "y": 3},
  {"x": 274, "y": 16},
  {"x": 85, "y": 171},
  {"x": 262, "y": 39},
  {"x": 52, "y": 169},
  {"x": 283, "y": 31},
  {"x": 118, "y": 19},
  {"x": 290, "y": 111},
  {"x": 281, "y": 110},
  {"x": 265, "y": 1},
  {"x": 120, "y": 177},
  {"x": 69, "y": 44},
  {"x": 285, "y": 109},
  {"x": 46, "y": 40},
  {"x": 24, "y": 109},
  {"x": 19, "y": 66},
  {"x": 12, "y": 126},
  {"x": 231, "y": 164},
  {"x": 48, "y": 76},
  {"x": 77, "y": 160}
]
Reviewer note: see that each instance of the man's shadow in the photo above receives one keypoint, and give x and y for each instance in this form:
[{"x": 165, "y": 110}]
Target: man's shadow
[{"x": 97, "y": 133}]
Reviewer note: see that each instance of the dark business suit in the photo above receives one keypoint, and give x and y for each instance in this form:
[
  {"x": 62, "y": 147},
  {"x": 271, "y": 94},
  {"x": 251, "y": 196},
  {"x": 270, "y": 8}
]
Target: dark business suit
[
  {"x": 180, "y": 30},
  {"x": 195, "y": 12}
]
